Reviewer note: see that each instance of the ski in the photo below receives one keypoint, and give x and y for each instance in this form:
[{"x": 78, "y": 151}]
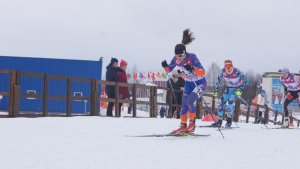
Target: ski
[
  {"x": 272, "y": 128},
  {"x": 170, "y": 135},
  {"x": 227, "y": 128}
]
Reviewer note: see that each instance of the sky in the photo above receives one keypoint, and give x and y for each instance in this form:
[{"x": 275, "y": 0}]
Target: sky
[{"x": 257, "y": 35}]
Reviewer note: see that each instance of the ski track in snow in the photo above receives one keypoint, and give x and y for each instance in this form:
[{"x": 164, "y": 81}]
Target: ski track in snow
[{"x": 100, "y": 142}]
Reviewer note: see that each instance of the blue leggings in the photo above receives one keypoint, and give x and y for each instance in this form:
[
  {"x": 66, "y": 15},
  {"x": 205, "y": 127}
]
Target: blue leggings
[
  {"x": 230, "y": 97},
  {"x": 190, "y": 95}
]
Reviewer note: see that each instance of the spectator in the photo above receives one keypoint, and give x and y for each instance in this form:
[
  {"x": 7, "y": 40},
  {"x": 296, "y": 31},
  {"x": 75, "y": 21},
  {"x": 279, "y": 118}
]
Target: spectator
[
  {"x": 177, "y": 83},
  {"x": 261, "y": 100},
  {"x": 112, "y": 76},
  {"x": 122, "y": 77}
]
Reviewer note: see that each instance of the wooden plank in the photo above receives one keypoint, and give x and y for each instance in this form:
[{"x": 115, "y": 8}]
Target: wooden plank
[
  {"x": 4, "y": 71},
  {"x": 4, "y": 93},
  {"x": 69, "y": 95},
  {"x": 56, "y": 77},
  {"x": 117, "y": 112},
  {"x": 16, "y": 108},
  {"x": 31, "y": 74},
  {"x": 57, "y": 97},
  {"x": 134, "y": 101},
  {"x": 31, "y": 95},
  {"x": 45, "y": 96},
  {"x": 12, "y": 83}
]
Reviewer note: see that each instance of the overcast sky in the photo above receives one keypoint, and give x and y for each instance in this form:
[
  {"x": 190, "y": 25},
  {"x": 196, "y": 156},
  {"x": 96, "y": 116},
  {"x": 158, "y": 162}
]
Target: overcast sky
[{"x": 258, "y": 35}]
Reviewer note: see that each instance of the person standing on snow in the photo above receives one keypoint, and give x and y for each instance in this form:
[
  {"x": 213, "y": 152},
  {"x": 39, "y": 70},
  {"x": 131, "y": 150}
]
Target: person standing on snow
[
  {"x": 122, "y": 77},
  {"x": 235, "y": 82},
  {"x": 195, "y": 82},
  {"x": 291, "y": 84},
  {"x": 262, "y": 101},
  {"x": 111, "y": 76}
]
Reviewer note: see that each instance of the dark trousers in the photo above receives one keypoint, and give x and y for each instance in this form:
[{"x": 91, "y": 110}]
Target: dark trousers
[
  {"x": 110, "y": 105},
  {"x": 292, "y": 95}
]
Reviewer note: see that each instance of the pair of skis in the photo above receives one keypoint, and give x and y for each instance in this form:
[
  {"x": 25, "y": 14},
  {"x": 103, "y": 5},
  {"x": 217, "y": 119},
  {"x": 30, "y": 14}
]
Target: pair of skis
[{"x": 171, "y": 135}]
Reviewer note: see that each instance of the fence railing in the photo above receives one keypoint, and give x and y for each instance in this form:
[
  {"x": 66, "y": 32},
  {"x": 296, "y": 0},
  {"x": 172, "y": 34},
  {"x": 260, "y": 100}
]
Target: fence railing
[{"x": 94, "y": 99}]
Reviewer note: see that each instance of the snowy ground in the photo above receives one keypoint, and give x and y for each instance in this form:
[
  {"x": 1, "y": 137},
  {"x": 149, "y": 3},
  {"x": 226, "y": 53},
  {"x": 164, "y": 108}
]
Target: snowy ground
[{"x": 100, "y": 142}]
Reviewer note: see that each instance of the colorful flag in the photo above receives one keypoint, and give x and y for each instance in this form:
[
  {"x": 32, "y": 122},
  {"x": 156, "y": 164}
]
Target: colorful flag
[{"x": 135, "y": 76}]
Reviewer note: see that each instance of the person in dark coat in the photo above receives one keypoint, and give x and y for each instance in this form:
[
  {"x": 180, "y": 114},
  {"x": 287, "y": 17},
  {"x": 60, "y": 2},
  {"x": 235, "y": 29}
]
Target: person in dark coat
[
  {"x": 112, "y": 76},
  {"x": 122, "y": 77},
  {"x": 177, "y": 83}
]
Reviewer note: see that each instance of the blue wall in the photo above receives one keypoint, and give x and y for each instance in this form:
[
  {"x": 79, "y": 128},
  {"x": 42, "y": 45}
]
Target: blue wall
[{"x": 64, "y": 67}]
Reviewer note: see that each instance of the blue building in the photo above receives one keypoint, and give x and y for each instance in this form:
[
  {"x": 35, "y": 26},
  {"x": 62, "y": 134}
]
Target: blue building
[{"x": 63, "y": 67}]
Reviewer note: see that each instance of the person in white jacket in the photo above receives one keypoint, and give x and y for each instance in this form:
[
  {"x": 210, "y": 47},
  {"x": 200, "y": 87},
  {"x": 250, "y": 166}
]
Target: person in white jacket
[{"x": 261, "y": 100}]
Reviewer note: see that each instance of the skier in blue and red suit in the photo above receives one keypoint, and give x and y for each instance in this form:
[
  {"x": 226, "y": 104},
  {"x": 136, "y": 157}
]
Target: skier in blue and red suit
[
  {"x": 235, "y": 82},
  {"x": 188, "y": 65}
]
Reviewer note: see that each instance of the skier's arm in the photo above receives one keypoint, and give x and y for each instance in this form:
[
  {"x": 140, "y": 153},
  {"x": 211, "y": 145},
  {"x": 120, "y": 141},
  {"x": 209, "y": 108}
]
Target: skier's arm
[
  {"x": 168, "y": 67},
  {"x": 244, "y": 78},
  {"x": 198, "y": 68},
  {"x": 219, "y": 79}
]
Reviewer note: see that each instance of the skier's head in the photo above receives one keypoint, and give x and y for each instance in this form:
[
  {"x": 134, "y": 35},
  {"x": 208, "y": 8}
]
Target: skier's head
[
  {"x": 123, "y": 65},
  {"x": 285, "y": 73},
  {"x": 180, "y": 49},
  {"x": 228, "y": 66}
]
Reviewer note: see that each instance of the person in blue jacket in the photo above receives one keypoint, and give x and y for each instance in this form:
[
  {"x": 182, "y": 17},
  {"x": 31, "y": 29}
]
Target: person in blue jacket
[
  {"x": 188, "y": 65},
  {"x": 235, "y": 82}
]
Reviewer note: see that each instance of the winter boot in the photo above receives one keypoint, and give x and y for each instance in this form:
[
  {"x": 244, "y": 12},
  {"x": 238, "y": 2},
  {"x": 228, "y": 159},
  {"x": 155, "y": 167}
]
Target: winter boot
[
  {"x": 285, "y": 123},
  {"x": 228, "y": 122},
  {"x": 180, "y": 130},
  {"x": 191, "y": 127},
  {"x": 217, "y": 124}
]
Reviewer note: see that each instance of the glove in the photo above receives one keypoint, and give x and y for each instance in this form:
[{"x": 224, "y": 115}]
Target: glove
[
  {"x": 164, "y": 64},
  {"x": 178, "y": 71},
  {"x": 238, "y": 92},
  {"x": 189, "y": 68},
  {"x": 215, "y": 94}
]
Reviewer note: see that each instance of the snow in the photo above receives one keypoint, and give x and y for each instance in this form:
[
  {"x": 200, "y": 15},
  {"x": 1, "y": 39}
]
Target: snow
[{"x": 100, "y": 142}]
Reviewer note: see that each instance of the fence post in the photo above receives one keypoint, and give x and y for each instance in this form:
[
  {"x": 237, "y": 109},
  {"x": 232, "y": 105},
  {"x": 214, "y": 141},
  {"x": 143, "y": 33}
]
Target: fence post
[
  {"x": 94, "y": 100},
  {"x": 69, "y": 99},
  {"x": 275, "y": 119},
  {"x": 155, "y": 102},
  {"x": 248, "y": 113},
  {"x": 45, "y": 96},
  {"x": 266, "y": 115},
  {"x": 282, "y": 120},
  {"x": 134, "y": 100},
  {"x": 237, "y": 110},
  {"x": 213, "y": 105},
  {"x": 117, "y": 112},
  {"x": 170, "y": 102},
  {"x": 13, "y": 79},
  {"x": 199, "y": 112}
]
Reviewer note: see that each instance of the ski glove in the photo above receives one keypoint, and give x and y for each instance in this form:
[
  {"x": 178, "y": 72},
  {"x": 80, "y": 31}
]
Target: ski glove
[
  {"x": 238, "y": 92},
  {"x": 164, "y": 64},
  {"x": 215, "y": 94},
  {"x": 189, "y": 68}
]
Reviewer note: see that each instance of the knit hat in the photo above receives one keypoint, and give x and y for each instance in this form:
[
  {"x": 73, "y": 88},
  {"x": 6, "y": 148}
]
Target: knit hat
[
  {"x": 113, "y": 60},
  {"x": 123, "y": 63},
  {"x": 228, "y": 63}
]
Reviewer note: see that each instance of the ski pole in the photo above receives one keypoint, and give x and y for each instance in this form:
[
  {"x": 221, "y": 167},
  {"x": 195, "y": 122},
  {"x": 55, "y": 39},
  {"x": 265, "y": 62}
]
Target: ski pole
[
  {"x": 208, "y": 107},
  {"x": 169, "y": 80}
]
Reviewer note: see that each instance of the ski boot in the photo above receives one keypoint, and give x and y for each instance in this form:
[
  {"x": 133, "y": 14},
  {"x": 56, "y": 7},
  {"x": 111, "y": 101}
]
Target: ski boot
[
  {"x": 181, "y": 130},
  {"x": 191, "y": 127},
  {"x": 217, "y": 124},
  {"x": 285, "y": 124},
  {"x": 228, "y": 122}
]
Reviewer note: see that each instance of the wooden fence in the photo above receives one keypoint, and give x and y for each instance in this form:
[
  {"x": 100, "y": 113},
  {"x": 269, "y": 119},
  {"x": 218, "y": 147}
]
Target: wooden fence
[{"x": 15, "y": 94}]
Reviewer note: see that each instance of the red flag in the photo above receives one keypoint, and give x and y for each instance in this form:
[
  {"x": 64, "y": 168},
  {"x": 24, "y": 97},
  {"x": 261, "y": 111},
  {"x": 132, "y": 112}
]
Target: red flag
[
  {"x": 153, "y": 77},
  {"x": 135, "y": 76}
]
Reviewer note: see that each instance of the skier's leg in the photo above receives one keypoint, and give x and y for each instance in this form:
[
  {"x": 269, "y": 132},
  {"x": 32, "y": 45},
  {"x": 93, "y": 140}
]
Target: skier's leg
[
  {"x": 289, "y": 98},
  {"x": 221, "y": 107},
  {"x": 230, "y": 107},
  {"x": 194, "y": 96},
  {"x": 183, "y": 117}
]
